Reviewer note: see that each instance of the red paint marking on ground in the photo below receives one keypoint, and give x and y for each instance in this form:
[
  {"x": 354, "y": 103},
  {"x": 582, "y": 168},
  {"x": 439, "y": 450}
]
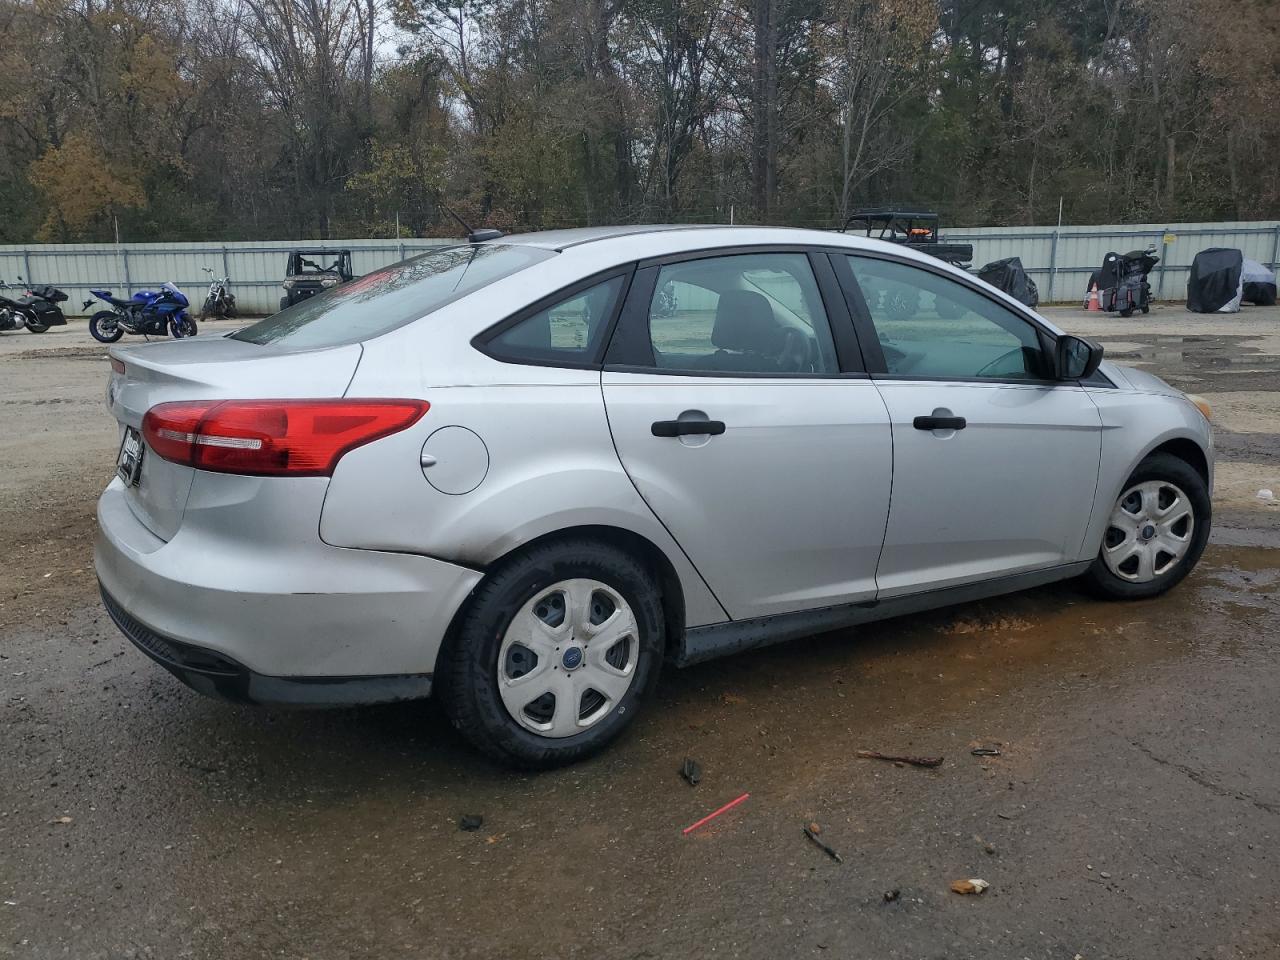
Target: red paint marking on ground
[{"x": 711, "y": 816}]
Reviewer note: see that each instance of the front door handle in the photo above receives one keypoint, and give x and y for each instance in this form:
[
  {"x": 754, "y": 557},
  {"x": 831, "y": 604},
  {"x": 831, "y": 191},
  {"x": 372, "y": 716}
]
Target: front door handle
[
  {"x": 938, "y": 423},
  {"x": 687, "y": 428}
]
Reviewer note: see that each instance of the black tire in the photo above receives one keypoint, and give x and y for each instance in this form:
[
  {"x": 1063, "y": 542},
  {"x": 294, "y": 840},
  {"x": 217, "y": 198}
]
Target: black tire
[
  {"x": 96, "y": 332},
  {"x": 1158, "y": 466},
  {"x": 284, "y": 303},
  {"x": 1127, "y": 312},
  {"x": 947, "y": 309},
  {"x": 467, "y": 675},
  {"x": 229, "y": 309},
  {"x": 1145, "y": 310}
]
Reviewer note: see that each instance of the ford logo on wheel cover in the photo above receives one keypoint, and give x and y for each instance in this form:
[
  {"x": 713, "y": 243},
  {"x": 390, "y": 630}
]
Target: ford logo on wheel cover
[{"x": 572, "y": 658}]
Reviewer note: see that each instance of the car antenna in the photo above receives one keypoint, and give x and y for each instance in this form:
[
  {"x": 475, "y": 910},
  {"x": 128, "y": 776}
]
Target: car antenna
[{"x": 473, "y": 236}]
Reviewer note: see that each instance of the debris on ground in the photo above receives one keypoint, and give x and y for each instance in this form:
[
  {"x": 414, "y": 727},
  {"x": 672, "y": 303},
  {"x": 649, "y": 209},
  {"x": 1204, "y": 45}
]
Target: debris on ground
[
  {"x": 891, "y": 895},
  {"x": 1266, "y": 496},
  {"x": 811, "y": 831},
  {"x": 893, "y": 758},
  {"x": 987, "y": 848},
  {"x": 715, "y": 813},
  {"x": 470, "y": 822},
  {"x": 691, "y": 770},
  {"x": 985, "y": 752},
  {"x": 60, "y": 820},
  {"x": 974, "y": 886}
]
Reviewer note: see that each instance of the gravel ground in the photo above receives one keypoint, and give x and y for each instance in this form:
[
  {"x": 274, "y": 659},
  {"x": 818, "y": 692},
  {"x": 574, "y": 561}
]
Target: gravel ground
[{"x": 1133, "y": 812}]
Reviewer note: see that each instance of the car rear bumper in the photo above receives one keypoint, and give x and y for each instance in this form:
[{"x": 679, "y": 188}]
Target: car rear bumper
[
  {"x": 216, "y": 675},
  {"x": 307, "y": 623}
]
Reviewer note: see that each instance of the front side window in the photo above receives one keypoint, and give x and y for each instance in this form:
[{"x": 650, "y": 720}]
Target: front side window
[
  {"x": 932, "y": 327},
  {"x": 372, "y": 305},
  {"x": 747, "y": 313},
  {"x": 569, "y": 331}
]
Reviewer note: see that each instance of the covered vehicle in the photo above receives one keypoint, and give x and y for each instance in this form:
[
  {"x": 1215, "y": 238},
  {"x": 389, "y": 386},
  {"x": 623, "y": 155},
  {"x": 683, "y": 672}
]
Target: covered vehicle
[
  {"x": 1258, "y": 284},
  {"x": 1216, "y": 283},
  {"x": 312, "y": 271},
  {"x": 1009, "y": 276}
]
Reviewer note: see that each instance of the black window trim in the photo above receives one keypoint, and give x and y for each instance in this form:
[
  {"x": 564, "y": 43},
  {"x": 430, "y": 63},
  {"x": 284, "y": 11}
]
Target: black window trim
[
  {"x": 631, "y": 351},
  {"x": 870, "y": 341},
  {"x": 625, "y": 271}
]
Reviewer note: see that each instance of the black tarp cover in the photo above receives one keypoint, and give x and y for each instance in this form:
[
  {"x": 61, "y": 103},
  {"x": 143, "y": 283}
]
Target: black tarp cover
[
  {"x": 1215, "y": 282},
  {"x": 1008, "y": 275}
]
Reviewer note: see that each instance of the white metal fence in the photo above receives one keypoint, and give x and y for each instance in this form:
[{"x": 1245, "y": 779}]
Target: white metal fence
[
  {"x": 255, "y": 269},
  {"x": 1059, "y": 259}
]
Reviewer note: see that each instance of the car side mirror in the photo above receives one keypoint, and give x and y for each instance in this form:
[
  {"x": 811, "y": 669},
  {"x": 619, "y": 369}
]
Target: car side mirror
[{"x": 1075, "y": 358}]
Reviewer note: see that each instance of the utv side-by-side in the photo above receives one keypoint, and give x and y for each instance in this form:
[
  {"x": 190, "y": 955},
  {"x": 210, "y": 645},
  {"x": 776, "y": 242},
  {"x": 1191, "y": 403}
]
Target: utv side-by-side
[
  {"x": 915, "y": 228},
  {"x": 313, "y": 271}
]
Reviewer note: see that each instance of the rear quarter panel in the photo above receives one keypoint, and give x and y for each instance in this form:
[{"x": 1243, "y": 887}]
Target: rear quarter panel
[{"x": 551, "y": 465}]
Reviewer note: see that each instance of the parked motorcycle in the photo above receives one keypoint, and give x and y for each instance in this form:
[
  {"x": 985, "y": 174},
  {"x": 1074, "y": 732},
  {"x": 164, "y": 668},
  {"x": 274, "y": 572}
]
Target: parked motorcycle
[
  {"x": 1122, "y": 281},
  {"x": 37, "y": 309},
  {"x": 219, "y": 301},
  {"x": 149, "y": 313}
]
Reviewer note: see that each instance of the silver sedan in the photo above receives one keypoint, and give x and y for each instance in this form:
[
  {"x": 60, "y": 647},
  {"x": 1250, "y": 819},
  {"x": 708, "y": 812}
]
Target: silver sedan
[{"x": 524, "y": 472}]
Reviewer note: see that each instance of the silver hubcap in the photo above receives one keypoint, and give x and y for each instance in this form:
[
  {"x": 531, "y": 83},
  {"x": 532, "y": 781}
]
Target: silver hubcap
[
  {"x": 568, "y": 658},
  {"x": 1149, "y": 531}
]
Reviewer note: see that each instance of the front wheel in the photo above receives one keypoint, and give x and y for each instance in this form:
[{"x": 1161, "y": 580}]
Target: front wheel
[
  {"x": 554, "y": 654},
  {"x": 105, "y": 327},
  {"x": 1156, "y": 532},
  {"x": 182, "y": 327}
]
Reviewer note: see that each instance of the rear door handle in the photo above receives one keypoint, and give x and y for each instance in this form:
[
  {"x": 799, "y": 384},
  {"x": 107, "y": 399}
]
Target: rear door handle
[
  {"x": 938, "y": 423},
  {"x": 687, "y": 428}
]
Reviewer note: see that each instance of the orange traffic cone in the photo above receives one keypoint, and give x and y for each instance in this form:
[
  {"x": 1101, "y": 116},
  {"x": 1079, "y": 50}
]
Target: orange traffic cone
[{"x": 1093, "y": 302}]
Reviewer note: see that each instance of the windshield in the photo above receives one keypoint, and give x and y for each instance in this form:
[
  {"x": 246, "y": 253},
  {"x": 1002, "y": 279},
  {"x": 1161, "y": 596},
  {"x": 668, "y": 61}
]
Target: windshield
[{"x": 391, "y": 297}]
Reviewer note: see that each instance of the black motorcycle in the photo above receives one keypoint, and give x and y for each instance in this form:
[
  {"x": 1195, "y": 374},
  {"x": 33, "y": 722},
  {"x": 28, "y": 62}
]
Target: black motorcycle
[
  {"x": 219, "y": 301},
  {"x": 1122, "y": 281},
  {"x": 37, "y": 309}
]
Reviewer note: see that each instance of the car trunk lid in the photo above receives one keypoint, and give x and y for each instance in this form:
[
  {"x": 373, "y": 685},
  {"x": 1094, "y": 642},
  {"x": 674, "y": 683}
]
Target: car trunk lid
[{"x": 208, "y": 368}]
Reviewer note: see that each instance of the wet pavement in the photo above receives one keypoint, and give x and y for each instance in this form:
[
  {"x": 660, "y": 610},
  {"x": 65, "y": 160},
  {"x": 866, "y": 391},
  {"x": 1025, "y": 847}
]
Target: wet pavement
[{"x": 1133, "y": 811}]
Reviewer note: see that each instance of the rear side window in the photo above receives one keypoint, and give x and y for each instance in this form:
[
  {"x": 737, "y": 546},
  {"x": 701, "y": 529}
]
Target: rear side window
[
  {"x": 569, "y": 331},
  {"x": 371, "y": 305},
  {"x": 756, "y": 313}
]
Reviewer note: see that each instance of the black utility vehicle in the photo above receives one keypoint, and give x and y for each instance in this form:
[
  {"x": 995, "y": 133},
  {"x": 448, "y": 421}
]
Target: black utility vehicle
[
  {"x": 313, "y": 271},
  {"x": 917, "y": 229}
]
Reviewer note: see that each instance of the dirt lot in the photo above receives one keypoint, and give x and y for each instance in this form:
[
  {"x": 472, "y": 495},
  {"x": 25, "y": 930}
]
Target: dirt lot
[{"x": 1134, "y": 810}]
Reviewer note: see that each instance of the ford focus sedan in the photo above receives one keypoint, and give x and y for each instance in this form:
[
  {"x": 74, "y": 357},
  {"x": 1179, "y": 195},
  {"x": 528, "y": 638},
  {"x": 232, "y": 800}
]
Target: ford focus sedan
[{"x": 521, "y": 474}]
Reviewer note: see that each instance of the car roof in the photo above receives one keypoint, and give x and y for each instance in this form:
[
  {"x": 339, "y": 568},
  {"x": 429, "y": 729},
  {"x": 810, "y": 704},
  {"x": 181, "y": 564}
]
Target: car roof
[{"x": 562, "y": 239}]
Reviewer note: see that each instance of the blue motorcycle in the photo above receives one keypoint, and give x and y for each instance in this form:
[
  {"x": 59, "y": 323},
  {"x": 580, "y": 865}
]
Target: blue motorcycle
[{"x": 148, "y": 313}]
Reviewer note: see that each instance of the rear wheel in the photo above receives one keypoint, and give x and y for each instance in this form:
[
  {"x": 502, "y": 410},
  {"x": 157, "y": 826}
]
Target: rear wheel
[
  {"x": 35, "y": 327},
  {"x": 1156, "y": 532},
  {"x": 554, "y": 654},
  {"x": 105, "y": 327}
]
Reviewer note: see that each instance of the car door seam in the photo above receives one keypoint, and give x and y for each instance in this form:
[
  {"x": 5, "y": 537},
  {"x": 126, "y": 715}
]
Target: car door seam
[{"x": 654, "y": 513}]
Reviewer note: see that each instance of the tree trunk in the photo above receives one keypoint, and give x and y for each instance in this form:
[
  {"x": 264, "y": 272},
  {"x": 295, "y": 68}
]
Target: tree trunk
[{"x": 764, "y": 127}]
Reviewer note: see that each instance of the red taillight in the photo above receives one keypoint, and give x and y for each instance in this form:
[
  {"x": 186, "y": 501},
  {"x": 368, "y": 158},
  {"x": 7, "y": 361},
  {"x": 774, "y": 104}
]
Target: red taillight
[
  {"x": 272, "y": 438},
  {"x": 117, "y": 365}
]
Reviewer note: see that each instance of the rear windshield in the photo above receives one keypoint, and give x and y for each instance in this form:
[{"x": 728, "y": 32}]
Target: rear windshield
[{"x": 391, "y": 297}]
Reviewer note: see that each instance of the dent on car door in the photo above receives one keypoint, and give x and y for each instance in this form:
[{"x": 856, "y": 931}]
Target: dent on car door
[
  {"x": 769, "y": 465},
  {"x": 995, "y": 464}
]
